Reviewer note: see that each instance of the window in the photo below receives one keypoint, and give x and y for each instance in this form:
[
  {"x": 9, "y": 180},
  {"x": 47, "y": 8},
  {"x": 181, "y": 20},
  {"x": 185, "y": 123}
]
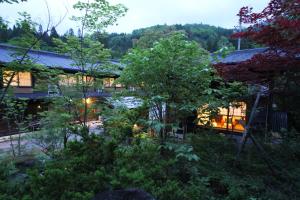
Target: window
[
  {"x": 231, "y": 119},
  {"x": 65, "y": 80},
  {"x": 109, "y": 82},
  {"x": 71, "y": 80},
  {"x": 21, "y": 79},
  {"x": 25, "y": 79},
  {"x": 89, "y": 79}
]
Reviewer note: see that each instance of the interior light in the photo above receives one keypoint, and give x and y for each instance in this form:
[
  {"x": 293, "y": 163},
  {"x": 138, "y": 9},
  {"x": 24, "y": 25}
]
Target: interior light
[{"x": 88, "y": 100}]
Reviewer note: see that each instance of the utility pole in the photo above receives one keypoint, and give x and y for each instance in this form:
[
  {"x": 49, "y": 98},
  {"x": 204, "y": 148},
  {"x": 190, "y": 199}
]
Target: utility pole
[{"x": 239, "y": 39}]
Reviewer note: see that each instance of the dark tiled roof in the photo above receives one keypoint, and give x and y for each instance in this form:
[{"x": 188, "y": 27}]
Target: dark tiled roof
[
  {"x": 45, "y": 58},
  {"x": 34, "y": 95},
  {"x": 241, "y": 55},
  {"x": 43, "y": 95},
  {"x": 98, "y": 94},
  {"x": 64, "y": 62}
]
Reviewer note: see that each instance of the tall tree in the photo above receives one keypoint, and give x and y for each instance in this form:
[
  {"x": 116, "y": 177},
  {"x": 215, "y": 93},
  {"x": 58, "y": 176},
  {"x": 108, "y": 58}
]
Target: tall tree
[
  {"x": 53, "y": 33},
  {"x": 26, "y": 32},
  {"x": 27, "y": 40},
  {"x": 278, "y": 28},
  {"x": 173, "y": 77},
  {"x": 85, "y": 53},
  {"x": 3, "y": 30}
]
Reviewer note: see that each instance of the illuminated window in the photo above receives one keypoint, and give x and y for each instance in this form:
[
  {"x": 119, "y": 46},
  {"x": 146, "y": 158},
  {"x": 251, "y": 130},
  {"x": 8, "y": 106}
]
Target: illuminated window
[
  {"x": 109, "y": 82},
  {"x": 86, "y": 79},
  {"x": 89, "y": 79},
  {"x": 231, "y": 119},
  {"x": 67, "y": 80},
  {"x": 71, "y": 80},
  {"x": 25, "y": 79},
  {"x": 21, "y": 79}
]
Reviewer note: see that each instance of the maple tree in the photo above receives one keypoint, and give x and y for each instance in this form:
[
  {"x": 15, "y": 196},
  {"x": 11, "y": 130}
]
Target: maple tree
[{"x": 278, "y": 28}]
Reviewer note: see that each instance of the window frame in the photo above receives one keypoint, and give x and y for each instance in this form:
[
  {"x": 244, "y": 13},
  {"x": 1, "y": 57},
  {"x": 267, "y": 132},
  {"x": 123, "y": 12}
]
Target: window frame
[{"x": 17, "y": 76}]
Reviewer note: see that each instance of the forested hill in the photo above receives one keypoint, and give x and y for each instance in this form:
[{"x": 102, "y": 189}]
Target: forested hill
[{"x": 209, "y": 37}]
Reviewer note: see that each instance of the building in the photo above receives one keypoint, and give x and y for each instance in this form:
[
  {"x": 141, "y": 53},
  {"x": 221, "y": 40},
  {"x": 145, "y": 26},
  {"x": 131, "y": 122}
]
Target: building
[
  {"x": 27, "y": 85},
  {"x": 38, "y": 91},
  {"x": 234, "y": 118}
]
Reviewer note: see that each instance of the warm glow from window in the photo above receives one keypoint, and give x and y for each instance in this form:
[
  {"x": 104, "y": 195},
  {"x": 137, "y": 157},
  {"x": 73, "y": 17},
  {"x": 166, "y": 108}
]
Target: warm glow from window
[
  {"x": 67, "y": 80},
  {"x": 21, "y": 79},
  {"x": 203, "y": 116},
  {"x": 7, "y": 75},
  {"x": 231, "y": 119},
  {"x": 71, "y": 80},
  {"x": 108, "y": 82},
  {"x": 25, "y": 79},
  {"x": 88, "y": 79},
  {"x": 87, "y": 100}
]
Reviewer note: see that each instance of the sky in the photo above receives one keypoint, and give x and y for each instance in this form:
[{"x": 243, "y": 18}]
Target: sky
[{"x": 141, "y": 13}]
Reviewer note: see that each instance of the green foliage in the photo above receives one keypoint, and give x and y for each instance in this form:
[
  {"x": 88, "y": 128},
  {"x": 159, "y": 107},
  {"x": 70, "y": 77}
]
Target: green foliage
[
  {"x": 208, "y": 37},
  {"x": 26, "y": 37},
  {"x": 98, "y": 14},
  {"x": 251, "y": 178},
  {"x": 13, "y": 113},
  {"x": 202, "y": 168},
  {"x": 81, "y": 171},
  {"x": 119, "y": 122},
  {"x": 55, "y": 128},
  {"x": 181, "y": 65},
  {"x": 85, "y": 54}
]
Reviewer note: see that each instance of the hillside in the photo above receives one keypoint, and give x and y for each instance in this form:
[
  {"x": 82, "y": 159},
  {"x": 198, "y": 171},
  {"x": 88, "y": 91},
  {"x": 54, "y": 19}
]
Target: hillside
[{"x": 209, "y": 37}]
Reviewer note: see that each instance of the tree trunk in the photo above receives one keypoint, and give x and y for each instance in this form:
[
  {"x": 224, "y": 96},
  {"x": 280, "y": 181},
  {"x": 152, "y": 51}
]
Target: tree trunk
[
  {"x": 270, "y": 105},
  {"x": 161, "y": 120},
  {"x": 11, "y": 139},
  {"x": 19, "y": 143},
  {"x": 65, "y": 138}
]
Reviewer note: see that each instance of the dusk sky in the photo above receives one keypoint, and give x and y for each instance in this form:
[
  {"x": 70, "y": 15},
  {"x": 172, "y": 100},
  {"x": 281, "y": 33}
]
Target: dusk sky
[{"x": 141, "y": 13}]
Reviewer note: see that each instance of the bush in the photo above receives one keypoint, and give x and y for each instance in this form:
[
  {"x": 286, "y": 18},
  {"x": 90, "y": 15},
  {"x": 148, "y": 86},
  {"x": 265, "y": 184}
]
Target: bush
[{"x": 203, "y": 168}]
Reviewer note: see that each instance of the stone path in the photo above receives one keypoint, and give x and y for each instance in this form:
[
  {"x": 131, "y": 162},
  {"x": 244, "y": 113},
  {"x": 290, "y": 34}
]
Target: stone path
[{"x": 28, "y": 145}]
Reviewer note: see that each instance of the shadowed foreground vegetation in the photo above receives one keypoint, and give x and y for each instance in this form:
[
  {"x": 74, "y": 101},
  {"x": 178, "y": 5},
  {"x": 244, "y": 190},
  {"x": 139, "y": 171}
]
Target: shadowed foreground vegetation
[{"x": 203, "y": 167}]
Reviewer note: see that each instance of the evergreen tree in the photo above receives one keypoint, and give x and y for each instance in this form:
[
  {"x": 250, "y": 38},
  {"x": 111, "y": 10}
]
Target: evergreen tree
[
  {"x": 53, "y": 33},
  {"x": 71, "y": 32},
  {"x": 3, "y": 30},
  {"x": 40, "y": 31}
]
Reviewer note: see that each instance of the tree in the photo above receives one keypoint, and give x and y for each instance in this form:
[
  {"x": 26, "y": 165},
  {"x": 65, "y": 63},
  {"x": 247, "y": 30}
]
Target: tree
[
  {"x": 11, "y": 109},
  {"x": 55, "y": 127},
  {"x": 26, "y": 27},
  {"x": 119, "y": 44},
  {"x": 87, "y": 55},
  {"x": 3, "y": 30},
  {"x": 153, "y": 35},
  {"x": 173, "y": 77},
  {"x": 71, "y": 32},
  {"x": 25, "y": 32},
  {"x": 276, "y": 27},
  {"x": 53, "y": 33},
  {"x": 14, "y": 115}
]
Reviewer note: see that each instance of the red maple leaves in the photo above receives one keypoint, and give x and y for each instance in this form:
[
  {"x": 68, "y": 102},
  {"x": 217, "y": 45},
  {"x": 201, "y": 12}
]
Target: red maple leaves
[{"x": 276, "y": 27}]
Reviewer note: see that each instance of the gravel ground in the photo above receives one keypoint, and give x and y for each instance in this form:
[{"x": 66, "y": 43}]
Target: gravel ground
[{"x": 28, "y": 145}]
